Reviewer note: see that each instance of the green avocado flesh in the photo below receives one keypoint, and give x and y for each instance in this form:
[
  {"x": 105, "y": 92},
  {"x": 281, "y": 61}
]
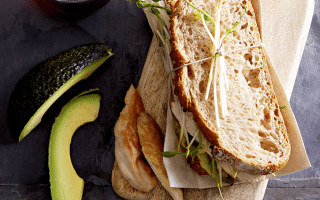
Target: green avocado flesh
[
  {"x": 64, "y": 181},
  {"x": 204, "y": 162},
  {"x": 47, "y": 81}
]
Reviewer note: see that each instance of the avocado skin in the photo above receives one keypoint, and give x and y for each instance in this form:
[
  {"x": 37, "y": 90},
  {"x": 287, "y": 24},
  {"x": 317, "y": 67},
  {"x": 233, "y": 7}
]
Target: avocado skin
[{"x": 43, "y": 80}]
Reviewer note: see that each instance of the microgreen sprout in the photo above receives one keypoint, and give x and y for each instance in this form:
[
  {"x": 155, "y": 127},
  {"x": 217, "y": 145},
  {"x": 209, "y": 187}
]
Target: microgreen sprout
[
  {"x": 153, "y": 8},
  {"x": 206, "y": 14},
  {"x": 180, "y": 139},
  {"x": 235, "y": 174},
  {"x": 156, "y": 9},
  {"x": 215, "y": 175},
  {"x": 193, "y": 139},
  {"x": 282, "y": 107},
  {"x": 183, "y": 132},
  {"x": 209, "y": 33},
  {"x": 191, "y": 151},
  {"x": 233, "y": 29},
  {"x": 217, "y": 28},
  {"x": 220, "y": 172},
  {"x": 210, "y": 77},
  {"x": 144, "y": 5},
  {"x": 218, "y": 66},
  {"x": 215, "y": 93}
]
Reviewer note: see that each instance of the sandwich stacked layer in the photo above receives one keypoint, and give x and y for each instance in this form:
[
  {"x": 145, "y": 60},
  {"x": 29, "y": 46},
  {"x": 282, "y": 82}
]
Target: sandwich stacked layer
[{"x": 250, "y": 135}]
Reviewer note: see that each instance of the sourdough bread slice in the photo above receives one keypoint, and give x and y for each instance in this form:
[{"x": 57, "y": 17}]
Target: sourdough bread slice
[{"x": 253, "y": 138}]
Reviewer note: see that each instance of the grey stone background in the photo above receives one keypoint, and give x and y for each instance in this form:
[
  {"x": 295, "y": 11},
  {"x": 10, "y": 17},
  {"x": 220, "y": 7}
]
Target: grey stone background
[{"x": 28, "y": 35}]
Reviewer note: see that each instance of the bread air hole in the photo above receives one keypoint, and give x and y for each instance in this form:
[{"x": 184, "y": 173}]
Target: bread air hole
[
  {"x": 262, "y": 134},
  {"x": 269, "y": 146},
  {"x": 274, "y": 135},
  {"x": 244, "y": 26},
  {"x": 236, "y": 34},
  {"x": 250, "y": 156},
  {"x": 252, "y": 77},
  {"x": 276, "y": 112},
  {"x": 202, "y": 86},
  {"x": 267, "y": 116},
  {"x": 256, "y": 58},
  {"x": 191, "y": 74},
  {"x": 267, "y": 125},
  {"x": 248, "y": 56}
]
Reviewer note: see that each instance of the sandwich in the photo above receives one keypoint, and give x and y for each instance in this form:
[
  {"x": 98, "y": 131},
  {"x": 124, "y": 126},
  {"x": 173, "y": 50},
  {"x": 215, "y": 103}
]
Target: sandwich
[
  {"x": 237, "y": 112},
  {"x": 219, "y": 90}
]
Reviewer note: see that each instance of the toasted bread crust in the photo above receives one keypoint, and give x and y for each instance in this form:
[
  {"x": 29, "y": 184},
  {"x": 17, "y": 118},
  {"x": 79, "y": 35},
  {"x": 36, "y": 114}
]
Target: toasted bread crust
[{"x": 190, "y": 102}]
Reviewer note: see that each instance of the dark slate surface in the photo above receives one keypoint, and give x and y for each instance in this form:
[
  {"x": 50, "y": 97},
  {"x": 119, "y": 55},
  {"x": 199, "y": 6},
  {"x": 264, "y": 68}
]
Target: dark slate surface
[{"x": 30, "y": 34}]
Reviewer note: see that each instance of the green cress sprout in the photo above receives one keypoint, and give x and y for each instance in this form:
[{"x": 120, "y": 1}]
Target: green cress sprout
[
  {"x": 217, "y": 72},
  {"x": 191, "y": 151},
  {"x": 232, "y": 30},
  {"x": 153, "y": 8},
  {"x": 199, "y": 12},
  {"x": 282, "y": 107},
  {"x": 214, "y": 173},
  {"x": 143, "y": 4}
]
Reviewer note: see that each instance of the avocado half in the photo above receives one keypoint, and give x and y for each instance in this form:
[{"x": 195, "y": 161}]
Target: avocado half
[
  {"x": 47, "y": 81},
  {"x": 64, "y": 181}
]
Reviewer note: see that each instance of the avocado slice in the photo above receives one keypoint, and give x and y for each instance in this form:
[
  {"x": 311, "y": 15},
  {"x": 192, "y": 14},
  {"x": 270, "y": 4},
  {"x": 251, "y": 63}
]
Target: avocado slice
[
  {"x": 47, "y": 81},
  {"x": 64, "y": 181}
]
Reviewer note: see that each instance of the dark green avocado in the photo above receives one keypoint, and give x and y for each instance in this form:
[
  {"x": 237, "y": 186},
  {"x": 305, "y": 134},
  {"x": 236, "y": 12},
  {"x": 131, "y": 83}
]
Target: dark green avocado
[{"x": 47, "y": 81}]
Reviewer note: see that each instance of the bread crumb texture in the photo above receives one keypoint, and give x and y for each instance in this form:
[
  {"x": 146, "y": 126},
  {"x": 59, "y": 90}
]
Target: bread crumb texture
[{"x": 253, "y": 138}]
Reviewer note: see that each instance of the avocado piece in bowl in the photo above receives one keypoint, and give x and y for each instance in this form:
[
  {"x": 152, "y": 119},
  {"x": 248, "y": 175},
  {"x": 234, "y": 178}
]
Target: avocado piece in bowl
[
  {"x": 47, "y": 81},
  {"x": 64, "y": 181}
]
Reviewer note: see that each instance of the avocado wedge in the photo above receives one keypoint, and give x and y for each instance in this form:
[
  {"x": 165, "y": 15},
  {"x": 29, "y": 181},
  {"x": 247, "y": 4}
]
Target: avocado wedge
[
  {"x": 64, "y": 181},
  {"x": 47, "y": 81}
]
